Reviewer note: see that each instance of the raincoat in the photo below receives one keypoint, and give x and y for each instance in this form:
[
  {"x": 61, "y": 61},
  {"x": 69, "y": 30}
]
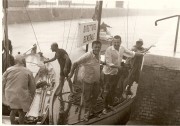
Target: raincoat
[{"x": 18, "y": 88}]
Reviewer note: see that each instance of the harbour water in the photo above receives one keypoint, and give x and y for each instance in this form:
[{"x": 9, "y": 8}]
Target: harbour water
[{"x": 65, "y": 34}]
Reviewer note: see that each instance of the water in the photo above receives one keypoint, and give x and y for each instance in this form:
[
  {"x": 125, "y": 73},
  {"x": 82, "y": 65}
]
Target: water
[{"x": 129, "y": 28}]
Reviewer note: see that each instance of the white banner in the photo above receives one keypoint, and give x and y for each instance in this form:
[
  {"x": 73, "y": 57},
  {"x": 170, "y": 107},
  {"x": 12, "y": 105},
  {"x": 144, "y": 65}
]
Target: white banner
[{"x": 87, "y": 33}]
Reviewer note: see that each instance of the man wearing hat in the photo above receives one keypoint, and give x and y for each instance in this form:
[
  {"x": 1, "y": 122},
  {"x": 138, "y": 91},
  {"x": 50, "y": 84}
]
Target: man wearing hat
[
  {"x": 18, "y": 89},
  {"x": 135, "y": 64},
  {"x": 139, "y": 47}
]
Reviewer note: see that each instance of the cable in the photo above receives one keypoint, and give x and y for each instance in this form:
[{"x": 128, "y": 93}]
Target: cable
[
  {"x": 32, "y": 26},
  {"x": 135, "y": 24},
  {"x": 127, "y": 21},
  {"x": 73, "y": 39},
  {"x": 63, "y": 34},
  {"x": 70, "y": 27}
]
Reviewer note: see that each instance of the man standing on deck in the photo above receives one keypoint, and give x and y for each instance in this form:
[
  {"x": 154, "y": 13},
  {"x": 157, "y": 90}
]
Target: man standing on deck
[
  {"x": 18, "y": 89},
  {"x": 112, "y": 69},
  {"x": 135, "y": 63},
  {"x": 65, "y": 66},
  {"x": 90, "y": 77}
]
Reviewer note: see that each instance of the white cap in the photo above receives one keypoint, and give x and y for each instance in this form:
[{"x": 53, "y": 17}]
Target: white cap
[{"x": 140, "y": 40}]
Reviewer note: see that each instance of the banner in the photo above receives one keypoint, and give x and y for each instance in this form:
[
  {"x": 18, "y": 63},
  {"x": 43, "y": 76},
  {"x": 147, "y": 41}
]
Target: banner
[{"x": 87, "y": 33}]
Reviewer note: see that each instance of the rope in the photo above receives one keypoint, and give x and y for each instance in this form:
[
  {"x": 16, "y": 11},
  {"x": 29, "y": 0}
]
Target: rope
[
  {"x": 70, "y": 27},
  {"x": 32, "y": 26},
  {"x": 135, "y": 24},
  {"x": 63, "y": 34},
  {"x": 127, "y": 22},
  {"x": 69, "y": 32},
  {"x": 63, "y": 26},
  {"x": 73, "y": 40},
  {"x": 77, "y": 28}
]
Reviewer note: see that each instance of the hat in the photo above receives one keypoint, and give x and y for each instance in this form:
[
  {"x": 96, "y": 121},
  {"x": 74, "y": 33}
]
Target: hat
[
  {"x": 139, "y": 41},
  {"x": 19, "y": 59}
]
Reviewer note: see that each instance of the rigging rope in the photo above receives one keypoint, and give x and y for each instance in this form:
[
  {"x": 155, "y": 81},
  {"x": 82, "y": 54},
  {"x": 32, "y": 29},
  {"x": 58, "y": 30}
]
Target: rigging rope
[
  {"x": 70, "y": 28},
  {"x": 127, "y": 22},
  {"x": 77, "y": 27},
  {"x": 61, "y": 4},
  {"x": 63, "y": 34},
  {"x": 73, "y": 40},
  {"x": 32, "y": 26},
  {"x": 135, "y": 24}
]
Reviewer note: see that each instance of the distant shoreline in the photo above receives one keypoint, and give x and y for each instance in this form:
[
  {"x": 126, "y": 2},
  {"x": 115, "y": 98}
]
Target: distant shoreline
[{"x": 20, "y": 15}]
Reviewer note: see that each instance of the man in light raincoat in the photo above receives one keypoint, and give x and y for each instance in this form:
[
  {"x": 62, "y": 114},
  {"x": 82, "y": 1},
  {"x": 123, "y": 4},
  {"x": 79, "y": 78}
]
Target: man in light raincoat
[{"x": 18, "y": 89}]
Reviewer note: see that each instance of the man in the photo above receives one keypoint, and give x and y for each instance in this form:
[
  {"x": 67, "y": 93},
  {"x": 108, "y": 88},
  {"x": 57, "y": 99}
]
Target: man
[
  {"x": 89, "y": 64},
  {"x": 136, "y": 48},
  {"x": 135, "y": 64},
  {"x": 65, "y": 66},
  {"x": 111, "y": 70},
  {"x": 104, "y": 26},
  {"x": 18, "y": 89},
  {"x": 139, "y": 46}
]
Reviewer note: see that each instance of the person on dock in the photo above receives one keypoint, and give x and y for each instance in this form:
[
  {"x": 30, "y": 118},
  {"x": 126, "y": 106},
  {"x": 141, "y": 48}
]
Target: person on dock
[
  {"x": 112, "y": 70},
  {"x": 65, "y": 66},
  {"x": 19, "y": 88},
  {"x": 135, "y": 64},
  {"x": 90, "y": 77}
]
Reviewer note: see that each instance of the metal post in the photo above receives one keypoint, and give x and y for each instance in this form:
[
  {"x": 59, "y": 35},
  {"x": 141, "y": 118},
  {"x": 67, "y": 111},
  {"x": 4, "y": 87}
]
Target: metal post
[
  {"x": 99, "y": 4},
  {"x": 87, "y": 47},
  {"x": 177, "y": 30}
]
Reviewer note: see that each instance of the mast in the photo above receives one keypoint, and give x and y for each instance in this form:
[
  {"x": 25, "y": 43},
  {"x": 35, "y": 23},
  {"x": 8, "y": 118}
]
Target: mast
[
  {"x": 6, "y": 40},
  {"x": 97, "y": 16},
  {"x": 100, "y": 3}
]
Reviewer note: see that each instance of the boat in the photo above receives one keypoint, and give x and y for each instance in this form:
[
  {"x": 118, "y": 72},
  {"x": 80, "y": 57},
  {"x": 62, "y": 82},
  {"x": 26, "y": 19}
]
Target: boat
[
  {"x": 44, "y": 75},
  {"x": 73, "y": 112},
  {"x": 69, "y": 110},
  {"x": 45, "y": 108}
]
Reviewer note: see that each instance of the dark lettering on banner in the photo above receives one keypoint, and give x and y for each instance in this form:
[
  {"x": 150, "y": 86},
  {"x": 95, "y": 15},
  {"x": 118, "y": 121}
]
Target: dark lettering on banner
[
  {"x": 88, "y": 28},
  {"x": 89, "y": 37}
]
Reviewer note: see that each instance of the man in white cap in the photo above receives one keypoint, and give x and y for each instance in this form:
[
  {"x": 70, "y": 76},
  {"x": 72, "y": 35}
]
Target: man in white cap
[
  {"x": 18, "y": 89},
  {"x": 139, "y": 46},
  {"x": 135, "y": 64}
]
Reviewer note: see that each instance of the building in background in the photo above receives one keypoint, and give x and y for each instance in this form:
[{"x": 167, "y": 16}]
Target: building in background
[{"x": 18, "y": 3}]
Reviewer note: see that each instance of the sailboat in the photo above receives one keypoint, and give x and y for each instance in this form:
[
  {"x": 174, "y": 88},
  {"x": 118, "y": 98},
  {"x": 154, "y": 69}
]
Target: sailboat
[
  {"x": 44, "y": 75},
  {"x": 48, "y": 104},
  {"x": 73, "y": 111}
]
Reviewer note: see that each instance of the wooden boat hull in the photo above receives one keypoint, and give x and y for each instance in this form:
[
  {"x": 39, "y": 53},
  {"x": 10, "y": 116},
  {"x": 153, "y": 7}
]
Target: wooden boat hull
[
  {"x": 119, "y": 116},
  {"x": 71, "y": 116}
]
